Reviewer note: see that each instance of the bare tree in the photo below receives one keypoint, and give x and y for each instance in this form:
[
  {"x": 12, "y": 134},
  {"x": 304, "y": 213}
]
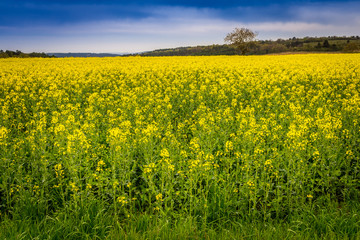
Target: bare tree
[{"x": 241, "y": 38}]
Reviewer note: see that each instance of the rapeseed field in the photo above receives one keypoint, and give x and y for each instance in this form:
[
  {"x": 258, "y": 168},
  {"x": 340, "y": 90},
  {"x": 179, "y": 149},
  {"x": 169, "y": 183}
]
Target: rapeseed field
[{"x": 219, "y": 140}]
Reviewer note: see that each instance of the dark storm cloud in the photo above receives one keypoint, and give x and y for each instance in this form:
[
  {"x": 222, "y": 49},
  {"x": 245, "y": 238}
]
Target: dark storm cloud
[
  {"x": 64, "y": 25},
  {"x": 27, "y": 12}
]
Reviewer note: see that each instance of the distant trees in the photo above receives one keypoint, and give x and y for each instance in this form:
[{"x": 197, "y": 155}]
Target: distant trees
[
  {"x": 307, "y": 44},
  {"x": 242, "y": 38},
  {"x": 326, "y": 44},
  {"x": 19, "y": 54},
  {"x": 352, "y": 47}
]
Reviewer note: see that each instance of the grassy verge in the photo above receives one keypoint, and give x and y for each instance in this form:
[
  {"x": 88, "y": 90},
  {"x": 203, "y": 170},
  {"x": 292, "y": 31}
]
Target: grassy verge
[{"x": 335, "y": 221}]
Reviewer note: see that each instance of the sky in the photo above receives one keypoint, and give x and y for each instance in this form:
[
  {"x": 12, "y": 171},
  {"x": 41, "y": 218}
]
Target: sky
[{"x": 109, "y": 26}]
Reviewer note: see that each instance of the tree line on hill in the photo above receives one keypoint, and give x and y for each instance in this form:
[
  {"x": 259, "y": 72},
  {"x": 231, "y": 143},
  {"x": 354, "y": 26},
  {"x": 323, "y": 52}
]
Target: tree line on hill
[
  {"x": 19, "y": 54},
  {"x": 261, "y": 47}
]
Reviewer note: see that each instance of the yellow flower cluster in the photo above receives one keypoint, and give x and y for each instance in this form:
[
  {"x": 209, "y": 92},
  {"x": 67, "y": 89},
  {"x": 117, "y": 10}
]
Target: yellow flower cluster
[
  {"x": 122, "y": 200},
  {"x": 178, "y": 125},
  {"x": 3, "y": 135}
]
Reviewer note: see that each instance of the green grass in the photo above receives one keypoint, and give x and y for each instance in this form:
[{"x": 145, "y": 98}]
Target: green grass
[{"x": 332, "y": 221}]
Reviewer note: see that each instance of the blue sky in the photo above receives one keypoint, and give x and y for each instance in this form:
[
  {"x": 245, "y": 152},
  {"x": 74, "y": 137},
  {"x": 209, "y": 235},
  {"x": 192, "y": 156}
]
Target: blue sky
[{"x": 135, "y": 26}]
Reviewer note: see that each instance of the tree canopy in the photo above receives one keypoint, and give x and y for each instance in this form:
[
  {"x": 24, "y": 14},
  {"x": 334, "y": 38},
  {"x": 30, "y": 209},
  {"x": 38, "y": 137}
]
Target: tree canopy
[{"x": 241, "y": 38}]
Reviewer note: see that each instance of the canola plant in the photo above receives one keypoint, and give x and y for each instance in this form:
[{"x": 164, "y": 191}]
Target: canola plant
[{"x": 210, "y": 136}]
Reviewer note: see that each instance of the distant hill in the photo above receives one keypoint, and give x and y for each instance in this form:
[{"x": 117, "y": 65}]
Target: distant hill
[
  {"x": 307, "y": 44},
  {"x": 61, "y": 55},
  {"x": 291, "y": 45}
]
